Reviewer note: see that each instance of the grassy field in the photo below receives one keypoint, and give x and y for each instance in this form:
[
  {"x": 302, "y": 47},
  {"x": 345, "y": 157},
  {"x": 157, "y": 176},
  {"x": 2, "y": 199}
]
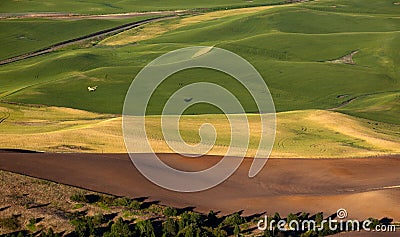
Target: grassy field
[
  {"x": 288, "y": 45},
  {"x": 158, "y": 28},
  {"x": 118, "y": 6},
  {"x": 380, "y": 107},
  {"x": 292, "y": 46},
  {"x": 19, "y": 36},
  {"x": 309, "y": 133},
  {"x": 368, "y": 7}
]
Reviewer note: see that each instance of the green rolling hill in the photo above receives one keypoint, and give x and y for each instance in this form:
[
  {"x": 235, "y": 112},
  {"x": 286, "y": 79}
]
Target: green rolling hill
[
  {"x": 299, "y": 49},
  {"x": 290, "y": 46}
]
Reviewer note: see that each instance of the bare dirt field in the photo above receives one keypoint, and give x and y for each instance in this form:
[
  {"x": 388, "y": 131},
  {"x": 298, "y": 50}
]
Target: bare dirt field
[{"x": 365, "y": 187}]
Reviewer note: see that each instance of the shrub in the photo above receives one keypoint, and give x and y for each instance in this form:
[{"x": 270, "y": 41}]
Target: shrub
[
  {"x": 86, "y": 226},
  {"x": 119, "y": 229},
  {"x": 304, "y": 215},
  {"x": 236, "y": 230},
  {"x": 155, "y": 208},
  {"x": 374, "y": 222},
  {"x": 212, "y": 219},
  {"x": 126, "y": 202},
  {"x": 88, "y": 198},
  {"x": 190, "y": 231},
  {"x": 49, "y": 233},
  {"x": 292, "y": 217},
  {"x": 105, "y": 201},
  {"x": 170, "y": 228},
  {"x": 11, "y": 223},
  {"x": 78, "y": 205},
  {"x": 98, "y": 219},
  {"x": 135, "y": 205},
  {"x": 145, "y": 229},
  {"x": 108, "y": 200},
  {"x": 78, "y": 198},
  {"x": 277, "y": 217},
  {"x": 234, "y": 219},
  {"x": 19, "y": 234},
  {"x": 217, "y": 232},
  {"x": 309, "y": 233},
  {"x": 319, "y": 217},
  {"x": 189, "y": 218},
  {"x": 170, "y": 211},
  {"x": 121, "y": 202},
  {"x": 31, "y": 224}
]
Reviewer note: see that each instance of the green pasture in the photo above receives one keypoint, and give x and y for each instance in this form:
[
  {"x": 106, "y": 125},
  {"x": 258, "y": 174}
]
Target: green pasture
[
  {"x": 19, "y": 36},
  {"x": 289, "y": 45},
  {"x": 120, "y": 6},
  {"x": 383, "y": 107}
]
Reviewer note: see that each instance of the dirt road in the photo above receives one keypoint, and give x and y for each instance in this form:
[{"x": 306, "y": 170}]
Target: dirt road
[{"x": 73, "y": 16}]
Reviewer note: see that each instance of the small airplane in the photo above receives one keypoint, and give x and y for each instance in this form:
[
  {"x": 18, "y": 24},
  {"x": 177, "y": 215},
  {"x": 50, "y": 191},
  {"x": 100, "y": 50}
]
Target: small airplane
[{"x": 93, "y": 88}]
